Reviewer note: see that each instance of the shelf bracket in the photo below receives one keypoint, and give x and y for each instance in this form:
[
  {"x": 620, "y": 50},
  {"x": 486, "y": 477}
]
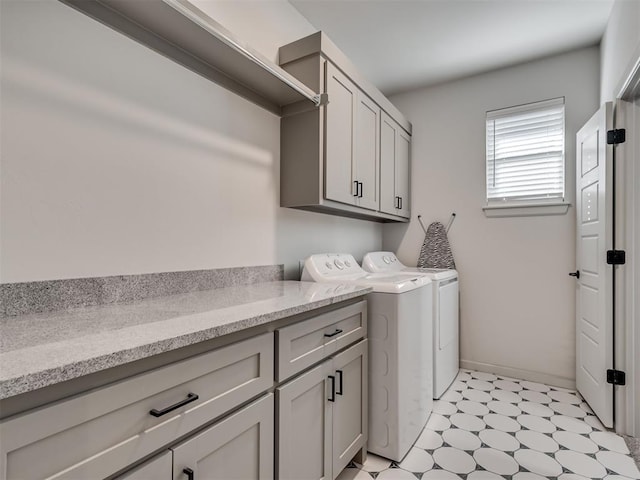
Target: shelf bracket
[{"x": 321, "y": 99}]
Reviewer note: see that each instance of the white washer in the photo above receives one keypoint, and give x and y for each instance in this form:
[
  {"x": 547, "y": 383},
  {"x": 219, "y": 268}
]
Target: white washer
[
  {"x": 446, "y": 356},
  {"x": 399, "y": 325}
]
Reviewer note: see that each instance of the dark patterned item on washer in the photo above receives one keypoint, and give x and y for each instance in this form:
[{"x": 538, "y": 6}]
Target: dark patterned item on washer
[{"x": 436, "y": 251}]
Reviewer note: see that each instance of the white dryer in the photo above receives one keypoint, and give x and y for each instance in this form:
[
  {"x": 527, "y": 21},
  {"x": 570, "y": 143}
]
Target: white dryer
[
  {"x": 446, "y": 356},
  {"x": 399, "y": 325}
]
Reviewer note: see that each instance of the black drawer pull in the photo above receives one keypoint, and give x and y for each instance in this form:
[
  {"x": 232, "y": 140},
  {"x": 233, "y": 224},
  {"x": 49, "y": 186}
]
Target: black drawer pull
[
  {"x": 339, "y": 389},
  {"x": 191, "y": 397},
  {"x": 332, "y": 398},
  {"x": 189, "y": 473},
  {"x": 337, "y": 332}
]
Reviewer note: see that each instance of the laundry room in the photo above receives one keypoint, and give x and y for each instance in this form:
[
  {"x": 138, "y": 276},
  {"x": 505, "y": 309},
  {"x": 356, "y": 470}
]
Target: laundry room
[{"x": 337, "y": 239}]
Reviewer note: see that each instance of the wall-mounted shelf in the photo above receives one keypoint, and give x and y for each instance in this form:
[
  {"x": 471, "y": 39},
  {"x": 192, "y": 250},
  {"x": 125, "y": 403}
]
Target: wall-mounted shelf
[{"x": 182, "y": 32}]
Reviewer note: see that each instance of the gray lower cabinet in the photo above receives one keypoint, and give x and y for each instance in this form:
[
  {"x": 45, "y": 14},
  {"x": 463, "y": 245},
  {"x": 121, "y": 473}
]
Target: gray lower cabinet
[
  {"x": 322, "y": 417},
  {"x": 239, "y": 447},
  {"x": 101, "y": 432},
  {"x": 212, "y": 416}
]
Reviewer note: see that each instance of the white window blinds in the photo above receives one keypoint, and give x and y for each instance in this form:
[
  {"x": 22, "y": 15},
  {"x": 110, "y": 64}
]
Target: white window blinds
[{"x": 525, "y": 152}]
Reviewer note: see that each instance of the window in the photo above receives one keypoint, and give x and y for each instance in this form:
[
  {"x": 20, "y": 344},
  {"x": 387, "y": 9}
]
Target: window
[{"x": 525, "y": 156}]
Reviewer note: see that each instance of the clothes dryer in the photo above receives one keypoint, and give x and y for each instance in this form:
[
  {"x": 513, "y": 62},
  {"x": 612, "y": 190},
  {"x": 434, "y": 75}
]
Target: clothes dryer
[
  {"x": 446, "y": 356},
  {"x": 399, "y": 326}
]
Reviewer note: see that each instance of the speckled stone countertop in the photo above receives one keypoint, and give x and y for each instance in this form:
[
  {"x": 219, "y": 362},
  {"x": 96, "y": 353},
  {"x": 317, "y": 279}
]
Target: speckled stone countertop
[{"x": 42, "y": 349}]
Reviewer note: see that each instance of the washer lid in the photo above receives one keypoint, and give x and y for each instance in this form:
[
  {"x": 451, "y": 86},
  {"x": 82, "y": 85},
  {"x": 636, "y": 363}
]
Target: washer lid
[
  {"x": 388, "y": 262},
  {"x": 342, "y": 268},
  {"x": 434, "y": 273}
]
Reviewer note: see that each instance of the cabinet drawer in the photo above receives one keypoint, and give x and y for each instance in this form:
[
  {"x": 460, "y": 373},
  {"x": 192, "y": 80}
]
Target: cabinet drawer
[
  {"x": 102, "y": 431},
  {"x": 307, "y": 342}
]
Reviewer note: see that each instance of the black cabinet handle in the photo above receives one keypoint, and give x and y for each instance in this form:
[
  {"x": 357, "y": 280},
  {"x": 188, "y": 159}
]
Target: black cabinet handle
[
  {"x": 361, "y": 189},
  {"x": 400, "y": 202},
  {"x": 332, "y": 398},
  {"x": 339, "y": 389},
  {"x": 356, "y": 184},
  {"x": 337, "y": 332},
  {"x": 189, "y": 473},
  {"x": 575, "y": 274},
  {"x": 191, "y": 397}
]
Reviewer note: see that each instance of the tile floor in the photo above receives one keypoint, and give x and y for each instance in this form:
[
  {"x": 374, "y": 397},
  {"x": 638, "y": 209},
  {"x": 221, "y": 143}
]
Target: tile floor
[{"x": 492, "y": 427}]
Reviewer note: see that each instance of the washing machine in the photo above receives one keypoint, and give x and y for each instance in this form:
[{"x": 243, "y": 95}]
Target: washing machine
[
  {"x": 399, "y": 311},
  {"x": 446, "y": 356}
]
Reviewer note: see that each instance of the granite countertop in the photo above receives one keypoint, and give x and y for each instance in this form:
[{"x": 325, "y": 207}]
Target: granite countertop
[{"x": 42, "y": 349}]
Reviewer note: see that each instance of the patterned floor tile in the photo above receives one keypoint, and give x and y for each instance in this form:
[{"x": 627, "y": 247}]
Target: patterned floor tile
[{"x": 491, "y": 427}]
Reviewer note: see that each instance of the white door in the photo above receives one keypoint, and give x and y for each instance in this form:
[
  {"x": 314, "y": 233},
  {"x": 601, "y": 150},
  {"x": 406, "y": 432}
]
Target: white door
[{"x": 594, "y": 322}]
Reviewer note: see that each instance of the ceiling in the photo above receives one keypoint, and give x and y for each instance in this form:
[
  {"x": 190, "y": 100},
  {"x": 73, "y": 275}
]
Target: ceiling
[{"x": 402, "y": 44}]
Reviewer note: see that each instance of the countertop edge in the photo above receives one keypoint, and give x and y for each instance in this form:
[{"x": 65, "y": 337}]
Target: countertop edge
[{"x": 11, "y": 387}]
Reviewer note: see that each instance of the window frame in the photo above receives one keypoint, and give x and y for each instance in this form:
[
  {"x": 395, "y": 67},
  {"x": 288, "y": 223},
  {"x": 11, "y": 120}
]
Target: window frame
[{"x": 526, "y": 206}]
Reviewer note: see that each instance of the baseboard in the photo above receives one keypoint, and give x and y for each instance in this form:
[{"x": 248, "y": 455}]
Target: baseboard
[{"x": 529, "y": 375}]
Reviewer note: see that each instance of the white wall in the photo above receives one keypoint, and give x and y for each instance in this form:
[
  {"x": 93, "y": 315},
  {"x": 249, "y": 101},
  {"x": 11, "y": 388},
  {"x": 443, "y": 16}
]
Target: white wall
[
  {"x": 115, "y": 160},
  {"x": 517, "y": 301},
  {"x": 620, "y": 47}
]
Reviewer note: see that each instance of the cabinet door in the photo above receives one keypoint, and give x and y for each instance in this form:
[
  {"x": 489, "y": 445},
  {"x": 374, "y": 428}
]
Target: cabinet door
[
  {"x": 240, "y": 447},
  {"x": 388, "y": 202},
  {"x": 350, "y": 408},
  {"x": 395, "y": 152},
  {"x": 158, "y": 468},
  {"x": 339, "y": 127},
  {"x": 402, "y": 175},
  {"x": 304, "y": 426},
  {"x": 366, "y": 151}
]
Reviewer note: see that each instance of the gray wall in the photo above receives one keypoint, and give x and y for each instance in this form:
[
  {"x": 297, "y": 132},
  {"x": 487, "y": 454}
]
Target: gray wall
[
  {"x": 117, "y": 161},
  {"x": 517, "y": 301},
  {"x": 620, "y": 47}
]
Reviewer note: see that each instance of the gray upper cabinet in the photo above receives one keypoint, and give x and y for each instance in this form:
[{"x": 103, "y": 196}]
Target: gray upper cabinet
[
  {"x": 395, "y": 148},
  {"x": 331, "y": 156}
]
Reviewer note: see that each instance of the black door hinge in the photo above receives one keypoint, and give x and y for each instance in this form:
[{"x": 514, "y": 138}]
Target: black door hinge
[
  {"x": 616, "y": 136},
  {"x": 616, "y": 257},
  {"x": 616, "y": 377}
]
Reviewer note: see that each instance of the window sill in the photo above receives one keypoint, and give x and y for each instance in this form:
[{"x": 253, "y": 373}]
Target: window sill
[{"x": 526, "y": 209}]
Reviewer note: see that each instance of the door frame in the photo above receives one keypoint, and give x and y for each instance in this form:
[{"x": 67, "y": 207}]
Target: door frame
[{"x": 627, "y": 318}]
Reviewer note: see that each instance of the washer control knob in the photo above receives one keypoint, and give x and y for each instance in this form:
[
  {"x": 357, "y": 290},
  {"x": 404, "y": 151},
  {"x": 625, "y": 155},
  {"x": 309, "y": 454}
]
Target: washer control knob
[
  {"x": 386, "y": 259},
  {"x": 338, "y": 264},
  {"x": 329, "y": 265},
  {"x": 347, "y": 263}
]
